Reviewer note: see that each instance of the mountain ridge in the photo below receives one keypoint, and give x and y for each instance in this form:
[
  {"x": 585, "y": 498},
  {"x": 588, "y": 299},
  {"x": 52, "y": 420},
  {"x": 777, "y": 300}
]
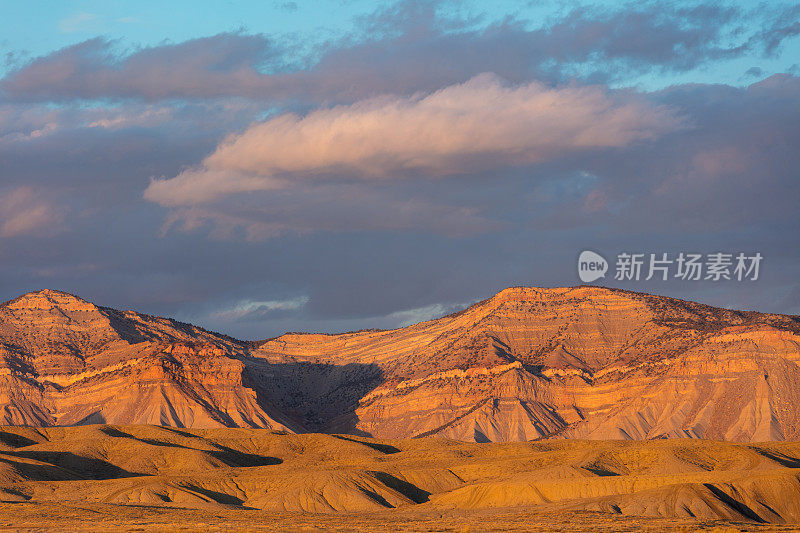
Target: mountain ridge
[
  {"x": 527, "y": 363},
  {"x": 790, "y": 319}
]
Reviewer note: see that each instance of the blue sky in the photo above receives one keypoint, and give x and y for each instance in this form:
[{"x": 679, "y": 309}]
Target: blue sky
[
  {"x": 259, "y": 167},
  {"x": 40, "y": 27}
]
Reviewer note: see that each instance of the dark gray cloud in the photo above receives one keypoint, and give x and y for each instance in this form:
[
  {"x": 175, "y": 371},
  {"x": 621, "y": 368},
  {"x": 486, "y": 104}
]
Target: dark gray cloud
[
  {"x": 339, "y": 255},
  {"x": 404, "y": 48},
  {"x": 734, "y": 167},
  {"x": 222, "y": 65},
  {"x": 728, "y": 182}
]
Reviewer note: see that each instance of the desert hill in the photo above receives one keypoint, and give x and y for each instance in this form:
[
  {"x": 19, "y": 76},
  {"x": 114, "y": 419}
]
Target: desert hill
[
  {"x": 528, "y": 363},
  {"x": 103, "y": 476}
]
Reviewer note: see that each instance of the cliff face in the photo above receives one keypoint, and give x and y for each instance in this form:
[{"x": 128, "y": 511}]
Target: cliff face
[
  {"x": 64, "y": 361},
  {"x": 528, "y": 363},
  {"x": 581, "y": 362}
]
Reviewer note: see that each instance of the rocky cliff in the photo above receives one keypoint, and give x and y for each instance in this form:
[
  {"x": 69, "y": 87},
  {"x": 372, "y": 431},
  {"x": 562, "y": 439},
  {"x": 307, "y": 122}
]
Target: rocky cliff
[
  {"x": 65, "y": 361},
  {"x": 528, "y": 363}
]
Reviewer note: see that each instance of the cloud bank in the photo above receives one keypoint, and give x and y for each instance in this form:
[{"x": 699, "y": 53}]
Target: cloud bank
[
  {"x": 468, "y": 127},
  {"x": 406, "y": 47},
  {"x": 386, "y": 177}
]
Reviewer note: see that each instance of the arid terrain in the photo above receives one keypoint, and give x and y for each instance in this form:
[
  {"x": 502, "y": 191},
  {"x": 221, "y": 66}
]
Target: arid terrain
[
  {"x": 100, "y": 477},
  {"x": 568, "y": 409},
  {"x": 584, "y": 362}
]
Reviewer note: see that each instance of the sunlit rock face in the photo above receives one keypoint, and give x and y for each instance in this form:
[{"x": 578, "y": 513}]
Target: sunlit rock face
[
  {"x": 65, "y": 361},
  {"x": 582, "y": 362},
  {"x": 529, "y": 363}
]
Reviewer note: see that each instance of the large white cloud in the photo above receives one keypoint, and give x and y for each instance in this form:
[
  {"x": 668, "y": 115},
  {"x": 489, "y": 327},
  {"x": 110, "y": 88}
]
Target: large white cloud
[{"x": 477, "y": 125}]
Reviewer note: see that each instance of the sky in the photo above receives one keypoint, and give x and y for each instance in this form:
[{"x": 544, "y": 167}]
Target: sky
[{"x": 262, "y": 167}]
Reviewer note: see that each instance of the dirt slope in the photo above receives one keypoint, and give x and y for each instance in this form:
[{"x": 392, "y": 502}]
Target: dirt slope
[{"x": 676, "y": 481}]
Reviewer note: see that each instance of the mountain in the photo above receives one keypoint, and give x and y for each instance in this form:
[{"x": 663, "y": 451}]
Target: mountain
[
  {"x": 528, "y": 363},
  {"x": 65, "y": 361}
]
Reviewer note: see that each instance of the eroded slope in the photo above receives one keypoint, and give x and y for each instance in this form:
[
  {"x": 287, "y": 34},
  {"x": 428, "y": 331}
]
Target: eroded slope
[
  {"x": 580, "y": 362},
  {"x": 260, "y": 470},
  {"x": 528, "y": 363},
  {"x": 65, "y": 361}
]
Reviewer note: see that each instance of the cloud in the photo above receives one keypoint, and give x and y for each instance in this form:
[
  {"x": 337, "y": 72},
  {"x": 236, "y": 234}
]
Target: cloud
[
  {"x": 381, "y": 228},
  {"x": 408, "y": 47},
  {"x": 733, "y": 171},
  {"x": 363, "y": 250},
  {"x": 754, "y": 72},
  {"x": 254, "y": 310},
  {"x": 25, "y": 211},
  {"x": 329, "y": 208},
  {"x": 217, "y": 66},
  {"x": 35, "y": 122},
  {"x": 428, "y": 312},
  {"x": 288, "y": 7},
  {"x": 477, "y": 125},
  {"x": 25, "y": 123},
  {"x": 79, "y": 22},
  {"x": 781, "y": 28}
]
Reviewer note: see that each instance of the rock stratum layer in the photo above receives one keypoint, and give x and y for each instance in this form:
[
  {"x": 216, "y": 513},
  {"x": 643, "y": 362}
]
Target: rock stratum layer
[
  {"x": 528, "y": 363},
  {"x": 65, "y": 361}
]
